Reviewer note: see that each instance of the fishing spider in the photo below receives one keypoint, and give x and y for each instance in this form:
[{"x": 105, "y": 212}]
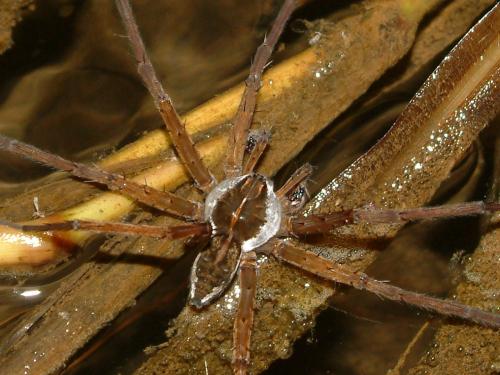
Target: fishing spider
[{"x": 242, "y": 214}]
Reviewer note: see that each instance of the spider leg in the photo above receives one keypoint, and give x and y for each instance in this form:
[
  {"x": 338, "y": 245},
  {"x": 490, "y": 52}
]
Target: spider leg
[
  {"x": 261, "y": 140},
  {"x": 163, "y": 201},
  {"x": 243, "y": 321},
  {"x": 297, "y": 178},
  {"x": 180, "y": 138},
  {"x": 314, "y": 224},
  {"x": 326, "y": 269},
  {"x": 246, "y": 109},
  {"x": 293, "y": 194},
  {"x": 157, "y": 231}
]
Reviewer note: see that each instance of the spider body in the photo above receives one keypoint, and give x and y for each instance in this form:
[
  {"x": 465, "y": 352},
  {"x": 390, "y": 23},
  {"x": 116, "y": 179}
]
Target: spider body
[{"x": 244, "y": 213}]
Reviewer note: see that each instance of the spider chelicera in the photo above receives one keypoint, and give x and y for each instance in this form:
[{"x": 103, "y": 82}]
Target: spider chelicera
[{"x": 243, "y": 214}]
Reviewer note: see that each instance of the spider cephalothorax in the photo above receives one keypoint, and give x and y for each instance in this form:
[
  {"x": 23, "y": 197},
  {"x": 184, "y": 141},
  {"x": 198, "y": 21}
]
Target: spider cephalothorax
[{"x": 245, "y": 209}]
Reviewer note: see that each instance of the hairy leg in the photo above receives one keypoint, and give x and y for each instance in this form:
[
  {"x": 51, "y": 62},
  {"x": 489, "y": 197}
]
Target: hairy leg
[
  {"x": 260, "y": 142},
  {"x": 157, "y": 231},
  {"x": 313, "y": 224},
  {"x": 326, "y": 269},
  {"x": 243, "y": 321},
  {"x": 297, "y": 178},
  {"x": 246, "y": 110},
  {"x": 180, "y": 138},
  {"x": 160, "y": 200}
]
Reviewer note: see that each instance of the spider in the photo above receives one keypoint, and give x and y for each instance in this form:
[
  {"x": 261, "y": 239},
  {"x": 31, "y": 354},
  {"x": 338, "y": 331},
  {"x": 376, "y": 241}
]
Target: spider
[{"x": 242, "y": 213}]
